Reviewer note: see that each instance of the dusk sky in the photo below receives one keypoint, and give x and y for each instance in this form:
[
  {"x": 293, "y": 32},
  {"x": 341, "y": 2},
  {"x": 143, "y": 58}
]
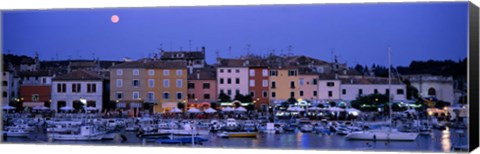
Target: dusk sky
[{"x": 357, "y": 33}]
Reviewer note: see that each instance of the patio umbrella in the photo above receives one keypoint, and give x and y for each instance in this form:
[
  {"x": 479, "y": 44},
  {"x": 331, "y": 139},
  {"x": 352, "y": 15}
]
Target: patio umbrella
[
  {"x": 176, "y": 110},
  {"x": 314, "y": 108},
  {"x": 210, "y": 110},
  {"x": 40, "y": 108},
  {"x": 7, "y": 107},
  {"x": 90, "y": 108},
  {"x": 299, "y": 109},
  {"x": 227, "y": 109},
  {"x": 353, "y": 110},
  {"x": 241, "y": 109},
  {"x": 193, "y": 110},
  {"x": 291, "y": 109},
  {"x": 336, "y": 109}
]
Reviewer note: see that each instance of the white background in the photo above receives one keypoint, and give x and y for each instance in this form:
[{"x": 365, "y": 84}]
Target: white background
[{"x": 81, "y": 149}]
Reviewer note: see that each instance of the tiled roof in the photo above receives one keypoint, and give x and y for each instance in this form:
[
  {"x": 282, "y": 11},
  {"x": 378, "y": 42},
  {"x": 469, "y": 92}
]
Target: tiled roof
[
  {"x": 368, "y": 80},
  {"x": 79, "y": 75},
  {"x": 224, "y": 62},
  {"x": 151, "y": 63},
  {"x": 83, "y": 64},
  {"x": 203, "y": 74}
]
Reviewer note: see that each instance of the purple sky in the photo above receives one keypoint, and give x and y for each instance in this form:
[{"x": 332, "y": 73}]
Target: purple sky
[{"x": 357, "y": 33}]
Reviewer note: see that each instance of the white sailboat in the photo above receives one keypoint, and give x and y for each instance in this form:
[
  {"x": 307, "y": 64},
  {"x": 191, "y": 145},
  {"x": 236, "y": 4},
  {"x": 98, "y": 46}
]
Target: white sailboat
[{"x": 384, "y": 134}]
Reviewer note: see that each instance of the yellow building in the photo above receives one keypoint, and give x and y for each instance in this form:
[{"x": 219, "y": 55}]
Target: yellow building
[
  {"x": 283, "y": 83},
  {"x": 148, "y": 84}
]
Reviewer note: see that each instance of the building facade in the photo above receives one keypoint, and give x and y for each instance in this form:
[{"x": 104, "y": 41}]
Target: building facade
[
  {"x": 9, "y": 87},
  {"x": 308, "y": 87},
  {"x": 193, "y": 59},
  {"x": 202, "y": 87},
  {"x": 283, "y": 84},
  {"x": 75, "y": 89},
  {"x": 232, "y": 77},
  {"x": 258, "y": 86},
  {"x": 438, "y": 87},
  {"x": 148, "y": 84}
]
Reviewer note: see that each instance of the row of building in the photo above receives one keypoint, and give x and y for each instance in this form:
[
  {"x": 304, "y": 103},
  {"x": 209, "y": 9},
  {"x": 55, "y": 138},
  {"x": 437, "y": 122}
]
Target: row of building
[{"x": 158, "y": 84}]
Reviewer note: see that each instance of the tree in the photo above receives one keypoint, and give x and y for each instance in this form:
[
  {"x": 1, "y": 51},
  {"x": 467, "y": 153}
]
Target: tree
[
  {"x": 441, "y": 104},
  {"x": 372, "y": 101},
  {"x": 224, "y": 97},
  {"x": 213, "y": 105},
  {"x": 359, "y": 68},
  {"x": 292, "y": 100},
  {"x": 320, "y": 105},
  {"x": 332, "y": 104}
]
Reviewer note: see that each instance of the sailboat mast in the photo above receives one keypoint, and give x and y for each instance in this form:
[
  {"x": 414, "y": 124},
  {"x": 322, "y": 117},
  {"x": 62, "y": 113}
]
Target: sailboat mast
[{"x": 389, "y": 86}]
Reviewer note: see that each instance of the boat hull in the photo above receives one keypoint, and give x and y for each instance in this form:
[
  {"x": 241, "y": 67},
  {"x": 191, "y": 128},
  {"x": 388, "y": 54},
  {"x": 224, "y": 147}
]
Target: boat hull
[{"x": 382, "y": 136}]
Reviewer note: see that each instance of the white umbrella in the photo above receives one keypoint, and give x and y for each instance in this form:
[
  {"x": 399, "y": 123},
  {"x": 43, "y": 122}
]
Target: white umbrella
[
  {"x": 336, "y": 109},
  {"x": 193, "y": 110},
  {"x": 291, "y": 109},
  {"x": 176, "y": 110},
  {"x": 210, "y": 110},
  {"x": 299, "y": 109},
  {"x": 241, "y": 109},
  {"x": 7, "y": 107},
  {"x": 66, "y": 108},
  {"x": 314, "y": 108},
  {"x": 227, "y": 109},
  {"x": 353, "y": 110},
  {"x": 40, "y": 108}
]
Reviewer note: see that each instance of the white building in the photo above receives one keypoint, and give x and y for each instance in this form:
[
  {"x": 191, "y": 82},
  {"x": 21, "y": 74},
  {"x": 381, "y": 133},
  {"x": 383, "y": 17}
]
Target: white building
[
  {"x": 434, "y": 86},
  {"x": 78, "y": 86},
  {"x": 329, "y": 89},
  {"x": 9, "y": 87},
  {"x": 351, "y": 88},
  {"x": 232, "y": 77}
]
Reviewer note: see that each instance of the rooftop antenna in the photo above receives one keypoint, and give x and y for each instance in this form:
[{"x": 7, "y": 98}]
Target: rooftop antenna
[
  {"x": 190, "y": 45},
  {"x": 161, "y": 47},
  {"x": 248, "y": 49},
  {"x": 331, "y": 51},
  {"x": 229, "y": 51},
  {"x": 290, "y": 49}
]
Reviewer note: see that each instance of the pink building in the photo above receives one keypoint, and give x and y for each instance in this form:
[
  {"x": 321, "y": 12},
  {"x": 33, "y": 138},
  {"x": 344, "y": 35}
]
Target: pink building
[
  {"x": 308, "y": 86},
  {"x": 202, "y": 87}
]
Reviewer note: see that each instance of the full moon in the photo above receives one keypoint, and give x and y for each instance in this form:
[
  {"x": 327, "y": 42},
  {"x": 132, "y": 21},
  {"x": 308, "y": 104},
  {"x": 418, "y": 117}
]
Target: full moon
[{"x": 115, "y": 19}]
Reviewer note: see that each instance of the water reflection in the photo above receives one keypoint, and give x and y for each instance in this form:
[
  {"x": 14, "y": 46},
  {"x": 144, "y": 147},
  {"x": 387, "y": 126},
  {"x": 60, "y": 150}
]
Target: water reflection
[{"x": 446, "y": 143}]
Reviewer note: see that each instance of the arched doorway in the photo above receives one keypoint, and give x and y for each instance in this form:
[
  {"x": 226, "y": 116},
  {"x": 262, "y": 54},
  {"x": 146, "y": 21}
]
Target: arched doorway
[{"x": 432, "y": 92}]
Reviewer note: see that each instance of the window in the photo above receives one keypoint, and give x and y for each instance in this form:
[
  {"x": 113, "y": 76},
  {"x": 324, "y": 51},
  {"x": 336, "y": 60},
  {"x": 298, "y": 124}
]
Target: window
[
  {"x": 264, "y": 72},
  {"x": 179, "y": 72},
  {"x": 330, "y": 84},
  {"x": 151, "y": 72},
  {"x": 360, "y": 91},
  {"x": 229, "y": 81},
  {"x": 136, "y": 95},
  {"x": 36, "y": 78},
  {"x": 229, "y": 70},
  {"x": 265, "y": 83},
  {"x": 206, "y": 96},
  {"x": 61, "y": 88},
  {"x": 5, "y": 83},
  {"x": 252, "y": 72},
  {"x": 191, "y": 85},
  {"x": 76, "y": 88},
  {"x": 179, "y": 95},
  {"x": 136, "y": 83},
  {"x": 399, "y": 91},
  {"x": 206, "y": 85},
  {"x": 315, "y": 93},
  {"x": 221, "y": 91},
  {"x": 237, "y": 71},
  {"x": 136, "y": 72},
  {"x": 221, "y": 70},
  {"x": 237, "y": 92},
  {"x": 166, "y": 95},
  {"x": 387, "y": 92},
  {"x": 237, "y": 80},
  {"x": 151, "y": 83},
  {"x": 252, "y": 83},
  {"x": 179, "y": 83},
  {"x": 344, "y": 91},
  {"x": 119, "y": 83},
  {"x": 314, "y": 82},
  {"x": 301, "y": 81},
  {"x": 375, "y": 91},
  {"x": 292, "y": 94},
  {"x": 292, "y": 73},
  {"x": 273, "y": 73},
  {"x": 252, "y": 93},
  {"x": 150, "y": 96},
  {"x": 119, "y": 72},
  {"x": 274, "y": 94},
  {"x": 5, "y": 94},
  {"x": 330, "y": 93},
  {"x": 91, "y": 88},
  {"x": 166, "y": 72},
  {"x": 265, "y": 94},
  {"x": 119, "y": 95},
  {"x": 44, "y": 80},
  {"x": 166, "y": 83},
  {"x": 301, "y": 93},
  {"x": 221, "y": 80},
  {"x": 292, "y": 84},
  {"x": 35, "y": 97},
  {"x": 229, "y": 92},
  {"x": 431, "y": 92},
  {"x": 274, "y": 85}
]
